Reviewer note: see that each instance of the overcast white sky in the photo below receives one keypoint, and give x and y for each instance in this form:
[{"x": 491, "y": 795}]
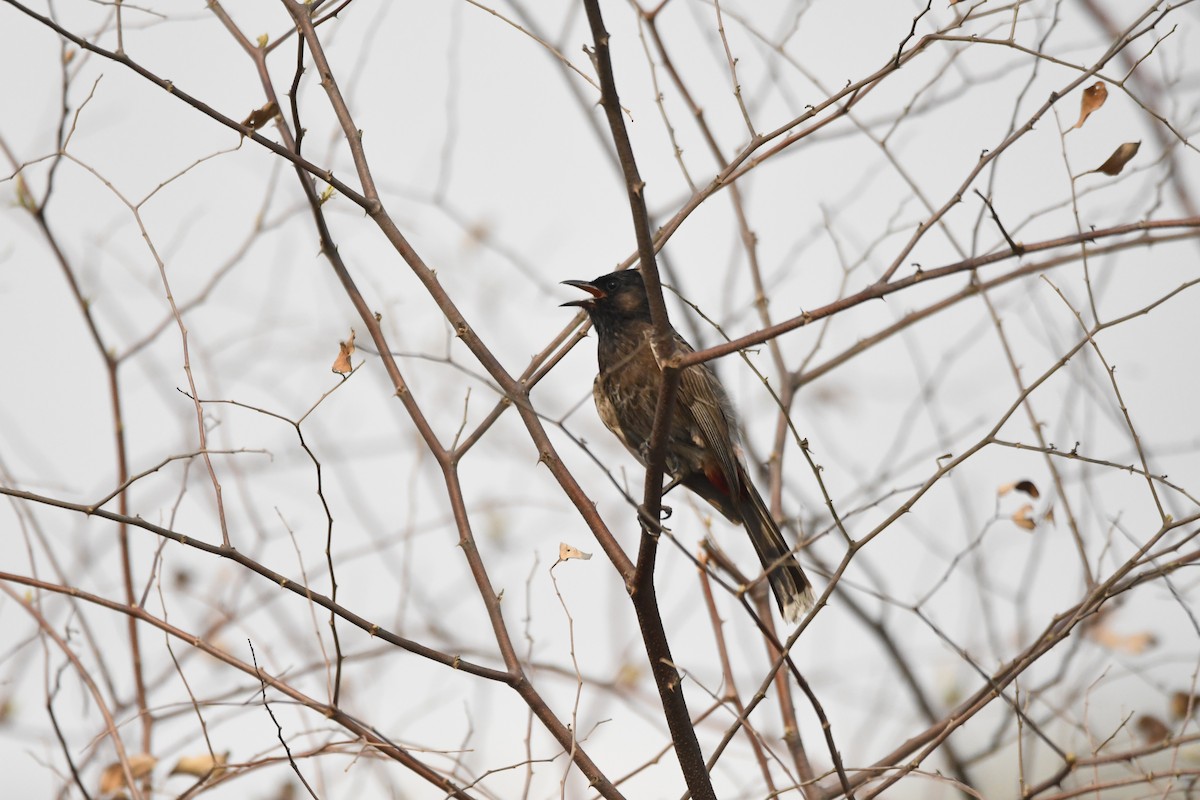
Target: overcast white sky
[{"x": 493, "y": 158}]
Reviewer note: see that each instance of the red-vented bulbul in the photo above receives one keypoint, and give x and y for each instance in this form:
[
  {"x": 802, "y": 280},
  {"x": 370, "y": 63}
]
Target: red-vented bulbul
[{"x": 703, "y": 449}]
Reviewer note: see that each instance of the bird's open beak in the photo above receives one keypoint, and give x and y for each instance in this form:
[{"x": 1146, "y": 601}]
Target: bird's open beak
[{"x": 587, "y": 302}]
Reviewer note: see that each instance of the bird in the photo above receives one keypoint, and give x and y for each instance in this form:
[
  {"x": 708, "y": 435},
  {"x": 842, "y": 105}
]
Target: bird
[{"x": 704, "y": 450}]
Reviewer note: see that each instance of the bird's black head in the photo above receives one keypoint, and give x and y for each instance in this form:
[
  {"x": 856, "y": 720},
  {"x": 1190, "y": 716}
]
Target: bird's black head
[{"x": 616, "y": 297}]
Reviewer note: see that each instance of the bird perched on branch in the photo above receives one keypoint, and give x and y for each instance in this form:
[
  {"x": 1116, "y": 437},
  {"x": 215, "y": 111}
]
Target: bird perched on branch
[{"x": 703, "y": 449}]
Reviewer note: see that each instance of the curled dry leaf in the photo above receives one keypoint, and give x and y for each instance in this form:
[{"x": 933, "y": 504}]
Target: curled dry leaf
[
  {"x": 1120, "y": 157},
  {"x": 261, "y": 116},
  {"x": 202, "y": 765},
  {"x": 1152, "y": 729},
  {"x": 1093, "y": 97},
  {"x": 1184, "y": 704},
  {"x": 1132, "y": 643},
  {"x": 1025, "y": 486},
  {"x": 287, "y": 791},
  {"x": 341, "y": 364},
  {"x": 113, "y": 776},
  {"x": 1023, "y": 519},
  {"x": 566, "y": 551}
]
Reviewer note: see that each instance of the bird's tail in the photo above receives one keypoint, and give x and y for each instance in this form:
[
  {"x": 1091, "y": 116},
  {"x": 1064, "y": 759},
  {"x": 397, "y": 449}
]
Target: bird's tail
[{"x": 791, "y": 587}]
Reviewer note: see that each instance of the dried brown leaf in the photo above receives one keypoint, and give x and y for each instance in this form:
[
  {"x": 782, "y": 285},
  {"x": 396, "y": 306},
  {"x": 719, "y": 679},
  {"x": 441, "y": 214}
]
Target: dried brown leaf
[
  {"x": 1028, "y": 487},
  {"x": 202, "y": 765},
  {"x": 566, "y": 551},
  {"x": 113, "y": 776},
  {"x": 1152, "y": 729},
  {"x": 1120, "y": 157},
  {"x": 1184, "y": 704},
  {"x": 1132, "y": 643},
  {"x": 1022, "y": 518},
  {"x": 1025, "y": 486},
  {"x": 261, "y": 116},
  {"x": 341, "y": 365},
  {"x": 1093, "y": 97},
  {"x": 287, "y": 791}
]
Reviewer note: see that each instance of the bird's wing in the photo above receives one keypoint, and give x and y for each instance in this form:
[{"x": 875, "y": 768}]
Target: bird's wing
[{"x": 706, "y": 402}]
